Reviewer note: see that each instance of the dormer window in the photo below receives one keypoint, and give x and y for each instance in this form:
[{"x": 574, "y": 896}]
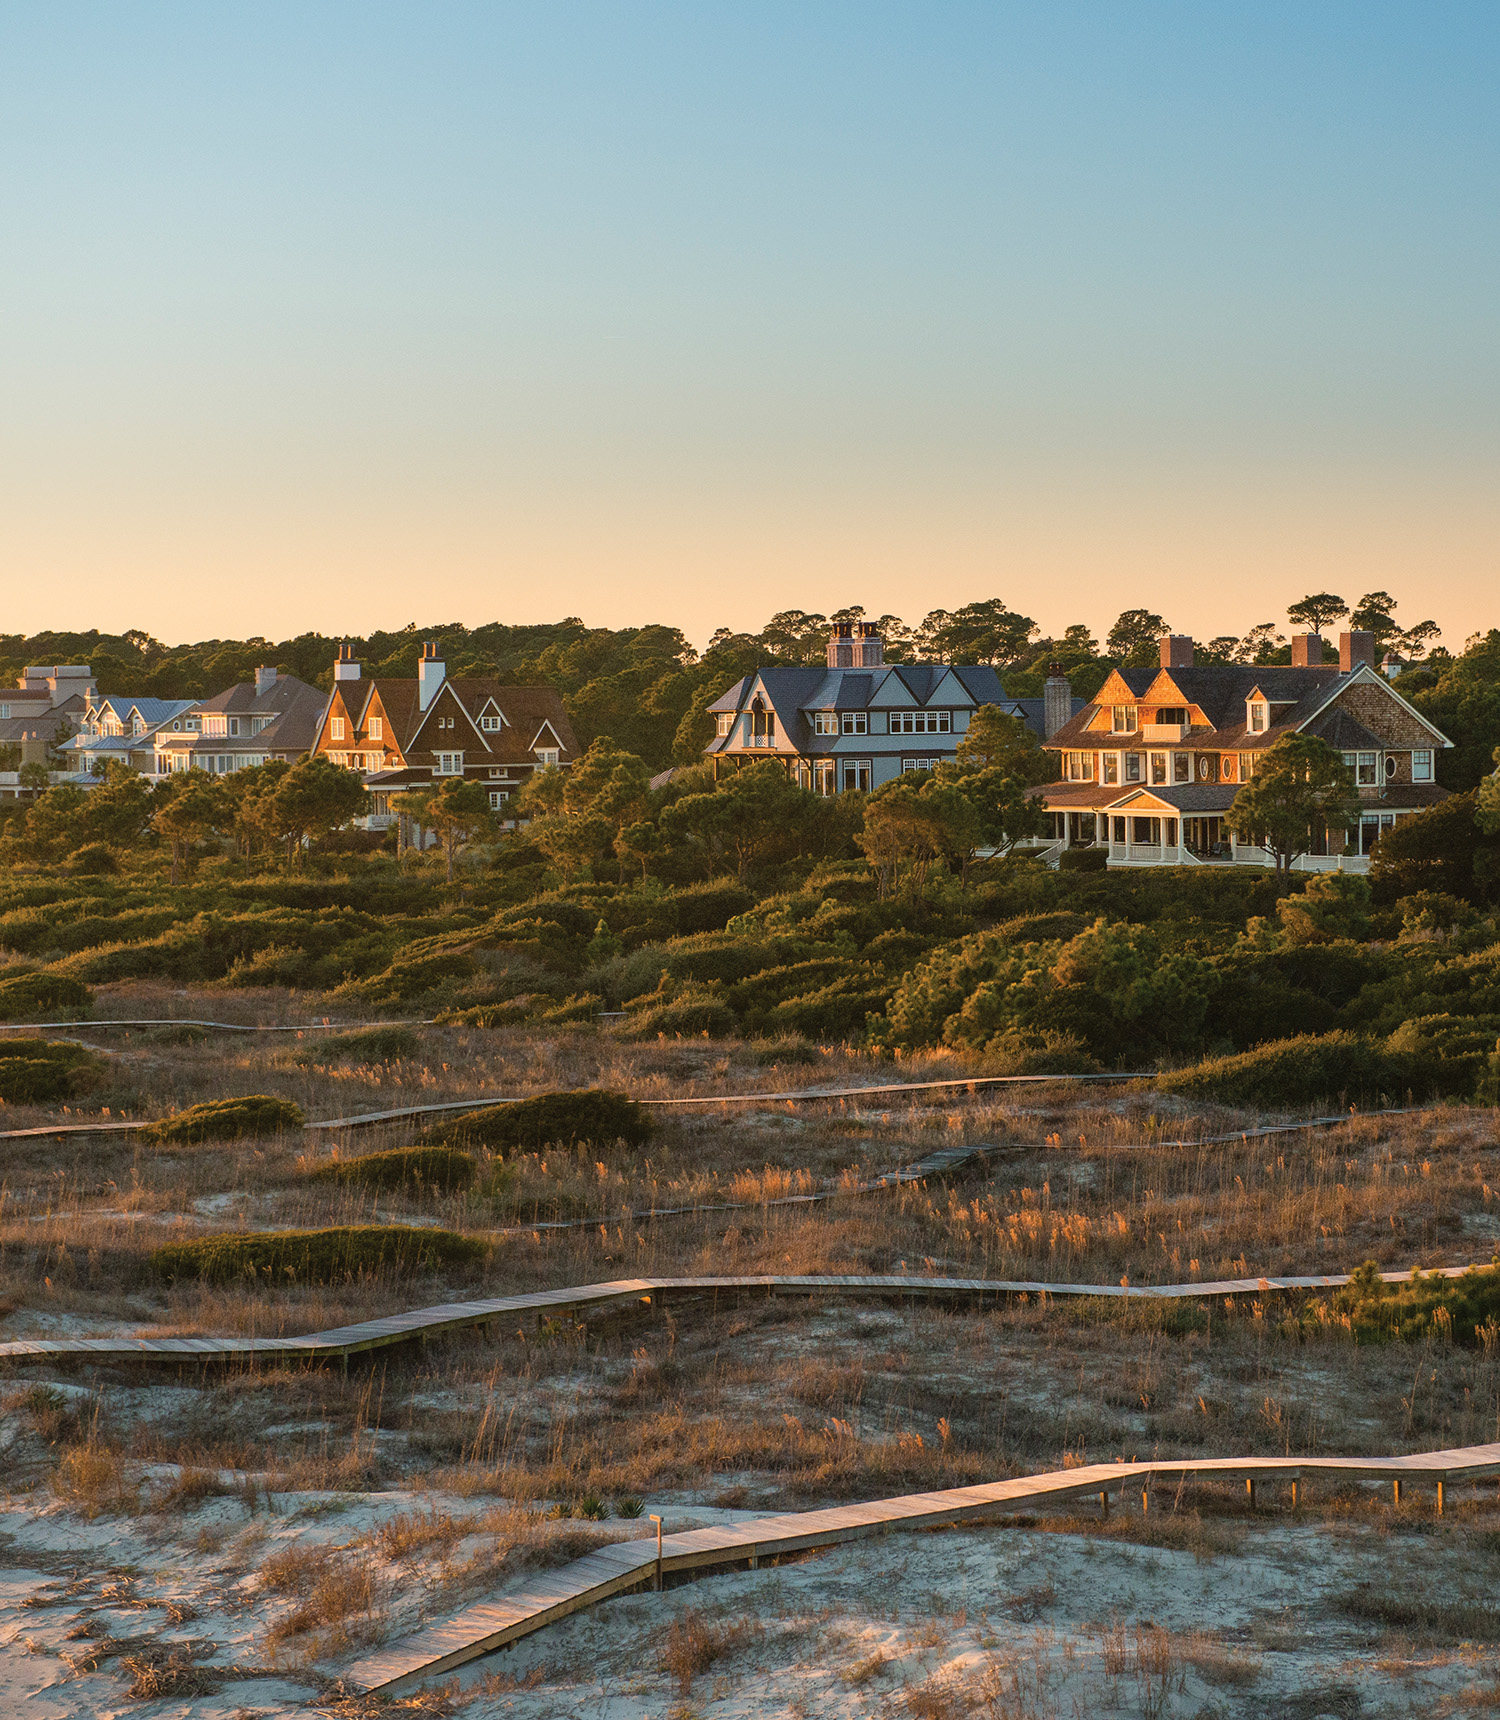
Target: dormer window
[
  {"x": 336, "y": 729},
  {"x": 448, "y": 764},
  {"x": 489, "y": 723},
  {"x": 377, "y": 728},
  {"x": 1257, "y": 717},
  {"x": 825, "y": 723},
  {"x": 724, "y": 722},
  {"x": 547, "y": 757},
  {"x": 855, "y": 723},
  {"x": 1125, "y": 719}
]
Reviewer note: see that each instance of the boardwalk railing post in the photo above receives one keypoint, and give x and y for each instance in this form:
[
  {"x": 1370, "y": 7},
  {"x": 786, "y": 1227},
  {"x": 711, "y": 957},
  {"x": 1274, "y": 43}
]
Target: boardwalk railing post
[
  {"x": 1396, "y": 1490},
  {"x": 1440, "y": 1498},
  {"x": 657, "y": 1521},
  {"x": 1250, "y": 1491}
]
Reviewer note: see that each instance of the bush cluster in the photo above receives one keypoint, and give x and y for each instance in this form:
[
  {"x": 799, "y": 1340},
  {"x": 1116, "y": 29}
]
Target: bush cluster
[
  {"x": 39, "y": 1071},
  {"x": 32, "y": 995},
  {"x": 440, "y": 1169},
  {"x": 592, "y": 1114},
  {"x": 318, "y": 1256},
  {"x": 1462, "y": 1310},
  {"x": 227, "y": 1120}
]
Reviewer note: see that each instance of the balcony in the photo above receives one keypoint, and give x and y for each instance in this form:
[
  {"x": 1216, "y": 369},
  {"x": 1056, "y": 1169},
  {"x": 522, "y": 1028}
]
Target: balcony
[{"x": 1164, "y": 731}]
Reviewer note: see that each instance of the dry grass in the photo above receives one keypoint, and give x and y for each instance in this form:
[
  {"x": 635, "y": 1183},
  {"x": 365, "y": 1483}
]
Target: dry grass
[{"x": 691, "y": 1645}]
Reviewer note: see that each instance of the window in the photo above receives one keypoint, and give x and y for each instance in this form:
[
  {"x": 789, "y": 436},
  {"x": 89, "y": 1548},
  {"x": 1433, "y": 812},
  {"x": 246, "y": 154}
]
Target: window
[
  {"x": 920, "y": 723},
  {"x": 823, "y": 776},
  {"x": 450, "y": 764},
  {"x": 1363, "y": 766},
  {"x": 1124, "y": 719},
  {"x": 1421, "y": 766},
  {"x": 1257, "y": 718},
  {"x": 1390, "y": 766},
  {"x": 825, "y": 723},
  {"x": 1227, "y": 766},
  {"x": 1247, "y": 766},
  {"x": 193, "y": 725},
  {"x": 1119, "y": 829},
  {"x": 336, "y": 729},
  {"x": 1132, "y": 767},
  {"x": 1182, "y": 768},
  {"x": 1147, "y": 832},
  {"x": 1080, "y": 766},
  {"x": 498, "y": 798},
  {"x": 1158, "y": 767},
  {"x": 1111, "y": 764},
  {"x": 762, "y": 728},
  {"x": 234, "y": 725},
  {"x": 1172, "y": 714},
  {"x": 908, "y": 764},
  {"x": 546, "y": 757},
  {"x": 490, "y": 723},
  {"x": 723, "y": 723},
  {"x": 5, "y": 711},
  {"x": 854, "y": 723}
]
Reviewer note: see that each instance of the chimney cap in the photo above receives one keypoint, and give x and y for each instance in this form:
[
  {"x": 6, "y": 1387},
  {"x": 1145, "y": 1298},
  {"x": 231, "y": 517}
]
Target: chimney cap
[{"x": 429, "y": 650}]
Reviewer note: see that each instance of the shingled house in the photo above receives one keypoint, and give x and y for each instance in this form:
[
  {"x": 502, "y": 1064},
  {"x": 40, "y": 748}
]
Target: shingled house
[
  {"x": 401, "y": 734},
  {"x": 274, "y": 717},
  {"x": 1151, "y": 766},
  {"x": 859, "y": 721}
]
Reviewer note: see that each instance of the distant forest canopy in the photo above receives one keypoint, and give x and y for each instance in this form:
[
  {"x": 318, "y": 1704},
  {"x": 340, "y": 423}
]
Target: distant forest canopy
[{"x": 648, "y": 688}]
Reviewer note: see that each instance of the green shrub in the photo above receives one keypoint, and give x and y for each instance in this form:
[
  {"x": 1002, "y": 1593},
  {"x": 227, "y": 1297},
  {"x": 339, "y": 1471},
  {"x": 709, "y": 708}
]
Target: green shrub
[
  {"x": 679, "y": 1011},
  {"x": 1464, "y": 1310},
  {"x": 38, "y": 1071},
  {"x": 318, "y": 1256},
  {"x": 95, "y": 860},
  {"x": 507, "y": 1013},
  {"x": 1451, "y": 1054},
  {"x": 837, "y": 1011},
  {"x": 365, "y": 1045},
  {"x": 442, "y": 1169},
  {"x": 1083, "y": 860},
  {"x": 592, "y": 1114},
  {"x": 31, "y": 995},
  {"x": 773, "y": 1053},
  {"x": 710, "y": 907},
  {"x": 1042, "y": 928},
  {"x": 1021, "y": 1053},
  {"x": 1287, "y": 1074},
  {"x": 227, "y": 1120}
]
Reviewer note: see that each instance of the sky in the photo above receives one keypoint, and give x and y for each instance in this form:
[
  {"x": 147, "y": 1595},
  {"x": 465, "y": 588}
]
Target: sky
[{"x": 340, "y": 316}]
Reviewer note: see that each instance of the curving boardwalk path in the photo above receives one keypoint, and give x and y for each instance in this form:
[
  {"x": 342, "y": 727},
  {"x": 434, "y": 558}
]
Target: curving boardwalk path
[
  {"x": 630, "y": 1564},
  {"x": 422, "y": 1323}
]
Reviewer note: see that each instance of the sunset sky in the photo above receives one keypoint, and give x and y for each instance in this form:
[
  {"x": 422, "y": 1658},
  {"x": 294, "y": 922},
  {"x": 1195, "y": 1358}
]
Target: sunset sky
[{"x": 340, "y": 316}]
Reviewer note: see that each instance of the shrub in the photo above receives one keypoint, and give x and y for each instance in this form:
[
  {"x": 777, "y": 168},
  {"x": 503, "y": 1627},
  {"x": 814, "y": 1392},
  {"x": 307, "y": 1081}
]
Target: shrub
[
  {"x": 30, "y": 995},
  {"x": 686, "y": 1011},
  {"x": 36, "y": 1071},
  {"x": 772, "y": 1053},
  {"x": 507, "y": 1013},
  {"x": 1289, "y": 1073},
  {"x": 710, "y": 907},
  {"x": 227, "y": 1120},
  {"x": 366, "y": 1045},
  {"x": 1083, "y": 860},
  {"x": 592, "y": 1114},
  {"x": 95, "y": 860},
  {"x": 1042, "y": 928},
  {"x": 1451, "y": 1054},
  {"x": 441, "y": 1169},
  {"x": 318, "y": 1256},
  {"x": 1465, "y": 1310}
]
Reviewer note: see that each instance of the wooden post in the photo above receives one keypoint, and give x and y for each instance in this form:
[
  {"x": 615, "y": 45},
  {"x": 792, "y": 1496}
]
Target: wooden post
[
  {"x": 657, "y": 1521},
  {"x": 1294, "y": 1495},
  {"x": 1104, "y": 1504},
  {"x": 1250, "y": 1491},
  {"x": 1145, "y": 1500},
  {"x": 1396, "y": 1489},
  {"x": 1440, "y": 1498}
]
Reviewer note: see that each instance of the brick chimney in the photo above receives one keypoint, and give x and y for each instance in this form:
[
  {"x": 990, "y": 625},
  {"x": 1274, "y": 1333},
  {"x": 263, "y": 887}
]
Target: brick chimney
[
  {"x": 431, "y": 673},
  {"x": 871, "y": 646},
  {"x": 1177, "y": 651},
  {"x": 1356, "y": 648},
  {"x": 345, "y": 668},
  {"x": 1057, "y": 700},
  {"x": 1307, "y": 650},
  {"x": 265, "y": 678},
  {"x": 841, "y": 646}
]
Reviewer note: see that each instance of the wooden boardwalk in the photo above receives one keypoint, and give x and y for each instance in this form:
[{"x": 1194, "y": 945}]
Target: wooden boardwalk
[
  {"x": 583, "y": 1299},
  {"x": 544, "y": 1600}
]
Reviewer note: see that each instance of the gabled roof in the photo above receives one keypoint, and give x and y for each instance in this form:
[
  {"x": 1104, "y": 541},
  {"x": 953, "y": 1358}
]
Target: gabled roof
[
  {"x": 1344, "y": 732},
  {"x": 524, "y": 709}
]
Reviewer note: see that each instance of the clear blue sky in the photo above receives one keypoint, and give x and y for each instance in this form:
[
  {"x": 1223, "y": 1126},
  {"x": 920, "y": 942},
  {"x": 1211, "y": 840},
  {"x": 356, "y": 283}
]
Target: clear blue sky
[{"x": 345, "y": 315}]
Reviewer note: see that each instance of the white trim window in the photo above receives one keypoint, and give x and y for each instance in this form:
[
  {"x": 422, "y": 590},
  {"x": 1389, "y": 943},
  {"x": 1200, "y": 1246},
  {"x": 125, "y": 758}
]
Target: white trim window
[
  {"x": 1133, "y": 772},
  {"x": 498, "y": 798},
  {"x": 1421, "y": 765},
  {"x": 448, "y": 764},
  {"x": 1158, "y": 767},
  {"x": 921, "y": 722},
  {"x": 1111, "y": 764},
  {"x": 547, "y": 758},
  {"x": 377, "y": 729},
  {"x": 911, "y": 764},
  {"x": 1363, "y": 766},
  {"x": 335, "y": 728},
  {"x": 1124, "y": 718},
  {"x": 724, "y": 722},
  {"x": 825, "y": 722},
  {"x": 1257, "y": 718},
  {"x": 1080, "y": 767},
  {"x": 489, "y": 723},
  {"x": 1182, "y": 767},
  {"x": 854, "y": 723}
]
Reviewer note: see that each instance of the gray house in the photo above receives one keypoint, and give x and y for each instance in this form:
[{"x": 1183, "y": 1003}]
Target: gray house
[{"x": 859, "y": 721}]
